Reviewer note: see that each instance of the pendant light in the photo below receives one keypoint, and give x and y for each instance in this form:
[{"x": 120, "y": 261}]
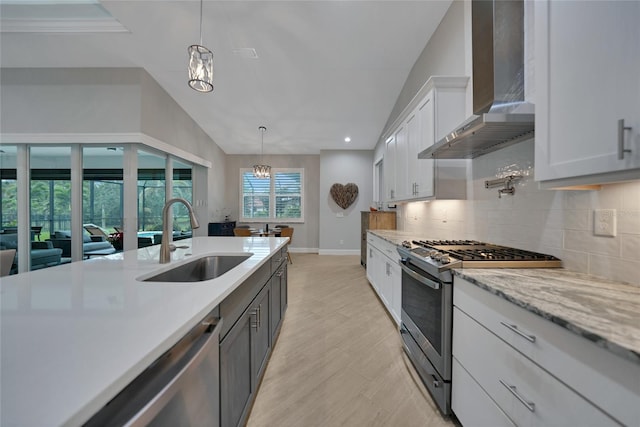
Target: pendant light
[
  {"x": 262, "y": 171},
  {"x": 200, "y": 64}
]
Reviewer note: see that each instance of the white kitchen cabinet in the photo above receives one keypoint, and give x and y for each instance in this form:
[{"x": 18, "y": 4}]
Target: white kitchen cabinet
[
  {"x": 524, "y": 391},
  {"x": 587, "y": 60},
  {"x": 390, "y": 169},
  {"x": 472, "y": 403},
  {"x": 421, "y": 137},
  {"x": 402, "y": 171},
  {"x": 569, "y": 379},
  {"x": 395, "y": 160},
  {"x": 436, "y": 109},
  {"x": 384, "y": 274}
]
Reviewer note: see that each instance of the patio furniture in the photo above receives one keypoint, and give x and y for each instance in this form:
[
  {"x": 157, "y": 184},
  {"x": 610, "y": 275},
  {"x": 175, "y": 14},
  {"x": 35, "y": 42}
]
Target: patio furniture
[
  {"x": 91, "y": 244},
  {"x": 43, "y": 254},
  {"x": 36, "y": 231}
]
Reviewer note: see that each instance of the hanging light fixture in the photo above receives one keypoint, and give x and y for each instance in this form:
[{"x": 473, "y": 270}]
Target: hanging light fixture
[
  {"x": 262, "y": 170},
  {"x": 200, "y": 64}
]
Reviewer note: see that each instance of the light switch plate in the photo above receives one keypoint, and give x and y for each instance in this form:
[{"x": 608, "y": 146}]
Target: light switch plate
[{"x": 604, "y": 222}]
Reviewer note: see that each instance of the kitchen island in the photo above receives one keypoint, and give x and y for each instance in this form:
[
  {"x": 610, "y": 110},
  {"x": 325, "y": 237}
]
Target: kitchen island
[{"x": 73, "y": 336}]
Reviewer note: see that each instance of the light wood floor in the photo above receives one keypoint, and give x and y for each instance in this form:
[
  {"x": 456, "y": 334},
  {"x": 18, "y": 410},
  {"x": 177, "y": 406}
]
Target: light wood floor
[{"x": 339, "y": 360}]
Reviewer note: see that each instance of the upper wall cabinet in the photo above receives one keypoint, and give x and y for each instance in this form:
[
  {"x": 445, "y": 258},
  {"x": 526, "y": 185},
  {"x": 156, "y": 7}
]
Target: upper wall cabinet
[
  {"x": 587, "y": 62},
  {"x": 437, "y": 108}
]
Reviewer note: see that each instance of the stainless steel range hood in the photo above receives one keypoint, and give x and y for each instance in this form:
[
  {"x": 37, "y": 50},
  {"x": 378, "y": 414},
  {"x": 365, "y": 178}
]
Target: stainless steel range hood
[{"x": 501, "y": 116}]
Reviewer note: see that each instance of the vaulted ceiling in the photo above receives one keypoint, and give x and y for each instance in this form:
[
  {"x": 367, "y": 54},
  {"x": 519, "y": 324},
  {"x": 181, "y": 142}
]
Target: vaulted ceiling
[{"x": 312, "y": 72}]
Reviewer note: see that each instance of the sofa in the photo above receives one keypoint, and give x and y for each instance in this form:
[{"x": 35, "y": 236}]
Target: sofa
[
  {"x": 43, "y": 254},
  {"x": 92, "y": 244}
]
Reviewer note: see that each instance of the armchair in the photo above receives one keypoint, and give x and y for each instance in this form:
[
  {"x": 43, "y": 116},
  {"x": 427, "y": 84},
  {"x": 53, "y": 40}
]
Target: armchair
[
  {"x": 92, "y": 244},
  {"x": 43, "y": 254}
]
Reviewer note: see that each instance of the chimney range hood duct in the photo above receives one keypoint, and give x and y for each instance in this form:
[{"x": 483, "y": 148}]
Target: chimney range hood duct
[{"x": 501, "y": 116}]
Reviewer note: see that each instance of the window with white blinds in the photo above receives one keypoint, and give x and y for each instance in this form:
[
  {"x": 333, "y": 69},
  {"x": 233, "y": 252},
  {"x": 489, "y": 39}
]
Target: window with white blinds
[{"x": 279, "y": 198}]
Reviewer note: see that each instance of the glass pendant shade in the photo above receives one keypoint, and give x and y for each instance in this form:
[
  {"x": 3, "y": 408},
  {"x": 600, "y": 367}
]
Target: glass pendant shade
[
  {"x": 262, "y": 171},
  {"x": 200, "y": 68}
]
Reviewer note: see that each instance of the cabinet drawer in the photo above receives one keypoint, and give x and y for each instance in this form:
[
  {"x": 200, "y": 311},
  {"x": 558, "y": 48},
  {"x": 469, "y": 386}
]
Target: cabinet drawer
[
  {"x": 525, "y": 392},
  {"x": 609, "y": 381},
  {"x": 387, "y": 248},
  {"x": 277, "y": 259},
  {"x": 471, "y": 404}
]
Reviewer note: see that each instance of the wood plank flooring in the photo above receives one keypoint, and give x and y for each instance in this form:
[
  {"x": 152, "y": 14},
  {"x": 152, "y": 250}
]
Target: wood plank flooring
[{"x": 338, "y": 360}]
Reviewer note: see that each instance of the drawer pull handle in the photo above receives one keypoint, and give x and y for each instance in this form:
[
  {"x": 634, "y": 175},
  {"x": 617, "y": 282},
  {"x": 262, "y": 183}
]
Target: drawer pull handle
[
  {"x": 529, "y": 405},
  {"x": 514, "y": 328},
  {"x": 621, "y": 149},
  {"x": 436, "y": 383}
]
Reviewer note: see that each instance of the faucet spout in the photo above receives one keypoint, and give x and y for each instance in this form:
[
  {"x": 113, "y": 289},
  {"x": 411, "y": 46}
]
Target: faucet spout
[{"x": 167, "y": 230}]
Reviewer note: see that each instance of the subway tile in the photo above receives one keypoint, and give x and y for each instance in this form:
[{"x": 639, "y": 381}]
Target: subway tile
[
  {"x": 576, "y": 219},
  {"x": 577, "y": 199},
  {"x": 614, "y": 269},
  {"x": 585, "y": 241},
  {"x": 630, "y": 199},
  {"x": 553, "y": 219},
  {"x": 628, "y": 221},
  {"x": 571, "y": 260},
  {"x": 559, "y": 223},
  {"x": 630, "y": 248}
]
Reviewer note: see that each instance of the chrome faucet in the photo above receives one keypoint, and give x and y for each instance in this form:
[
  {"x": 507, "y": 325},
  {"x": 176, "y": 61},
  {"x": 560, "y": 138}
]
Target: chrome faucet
[{"x": 167, "y": 231}]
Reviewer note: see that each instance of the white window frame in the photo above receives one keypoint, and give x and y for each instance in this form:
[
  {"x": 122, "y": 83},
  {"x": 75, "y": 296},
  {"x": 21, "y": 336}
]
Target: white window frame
[{"x": 272, "y": 197}]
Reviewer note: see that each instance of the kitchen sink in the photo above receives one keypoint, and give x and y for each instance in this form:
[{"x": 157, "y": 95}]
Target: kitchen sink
[{"x": 199, "y": 270}]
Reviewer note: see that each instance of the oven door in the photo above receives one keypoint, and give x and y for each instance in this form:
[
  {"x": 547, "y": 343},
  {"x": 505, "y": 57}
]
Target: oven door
[{"x": 427, "y": 308}]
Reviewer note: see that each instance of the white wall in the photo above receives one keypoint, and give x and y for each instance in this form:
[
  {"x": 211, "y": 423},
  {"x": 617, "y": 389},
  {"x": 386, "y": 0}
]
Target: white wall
[
  {"x": 70, "y": 100},
  {"x": 163, "y": 119},
  {"x": 109, "y": 101},
  {"x": 305, "y": 235},
  {"x": 559, "y": 223},
  {"x": 443, "y": 55},
  {"x": 341, "y": 235}
]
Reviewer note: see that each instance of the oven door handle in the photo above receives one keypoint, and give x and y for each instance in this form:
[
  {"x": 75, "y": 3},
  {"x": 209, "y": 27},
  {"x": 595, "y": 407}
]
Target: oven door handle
[{"x": 404, "y": 264}]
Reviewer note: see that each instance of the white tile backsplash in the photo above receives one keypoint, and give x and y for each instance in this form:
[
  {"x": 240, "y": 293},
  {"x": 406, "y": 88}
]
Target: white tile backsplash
[{"x": 557, "y": 222}]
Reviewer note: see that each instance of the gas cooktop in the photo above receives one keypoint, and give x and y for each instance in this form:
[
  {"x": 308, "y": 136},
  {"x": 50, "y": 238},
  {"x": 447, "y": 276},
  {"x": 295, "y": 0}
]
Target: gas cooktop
[{"x": 474, "y": 254}]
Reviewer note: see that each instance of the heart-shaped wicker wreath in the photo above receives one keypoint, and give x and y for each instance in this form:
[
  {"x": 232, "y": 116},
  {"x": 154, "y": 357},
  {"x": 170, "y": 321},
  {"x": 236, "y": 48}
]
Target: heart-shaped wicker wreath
[{"x": 344, "y": 195}]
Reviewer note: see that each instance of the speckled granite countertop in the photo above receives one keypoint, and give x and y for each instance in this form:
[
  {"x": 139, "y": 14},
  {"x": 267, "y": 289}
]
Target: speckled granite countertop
[
  {"x": 600, "y": 310},
  {"x": 395, "y": 236}
]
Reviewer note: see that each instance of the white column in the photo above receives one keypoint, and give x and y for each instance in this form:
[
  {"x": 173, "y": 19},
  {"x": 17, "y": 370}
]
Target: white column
[
  {"x": 130, "y": 209},
  {"x": 24, "y": 219},
  {"x": 77, "y": 230}
]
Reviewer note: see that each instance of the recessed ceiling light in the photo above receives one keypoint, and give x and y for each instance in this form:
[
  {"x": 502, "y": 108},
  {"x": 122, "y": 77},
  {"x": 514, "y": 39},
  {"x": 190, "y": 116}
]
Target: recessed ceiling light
[{"x": 347, "y": 139}]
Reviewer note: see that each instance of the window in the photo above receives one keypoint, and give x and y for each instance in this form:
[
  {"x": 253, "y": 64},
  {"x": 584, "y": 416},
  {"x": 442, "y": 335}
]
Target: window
[{"x": 279, "y": 199}]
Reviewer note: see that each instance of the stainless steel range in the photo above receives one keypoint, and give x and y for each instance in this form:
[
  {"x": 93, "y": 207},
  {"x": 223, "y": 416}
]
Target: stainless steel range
[{"x": 427, "y": 300}]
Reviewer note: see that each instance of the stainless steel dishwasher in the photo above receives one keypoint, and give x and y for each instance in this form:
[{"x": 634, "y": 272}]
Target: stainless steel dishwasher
[{"x": 181, "y": 388}]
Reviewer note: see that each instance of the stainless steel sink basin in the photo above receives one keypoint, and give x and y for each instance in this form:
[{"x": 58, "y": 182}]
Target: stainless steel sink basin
[{"x": 201, "y": 269}]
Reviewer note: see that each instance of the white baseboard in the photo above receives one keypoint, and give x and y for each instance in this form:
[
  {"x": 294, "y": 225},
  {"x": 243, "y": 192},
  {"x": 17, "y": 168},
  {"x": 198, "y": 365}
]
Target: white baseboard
[
  {"x": 339, "y": 252},
  {"x": 303, "y": 250}
]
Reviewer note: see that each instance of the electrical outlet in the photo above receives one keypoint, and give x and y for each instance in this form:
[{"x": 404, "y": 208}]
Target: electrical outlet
[
  {"x": 604, "y": 222},
  {"x": 342, "y": 242}
]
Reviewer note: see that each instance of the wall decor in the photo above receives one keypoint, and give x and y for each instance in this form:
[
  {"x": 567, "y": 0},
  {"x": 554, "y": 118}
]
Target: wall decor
[{"x": 344, "y": 195}]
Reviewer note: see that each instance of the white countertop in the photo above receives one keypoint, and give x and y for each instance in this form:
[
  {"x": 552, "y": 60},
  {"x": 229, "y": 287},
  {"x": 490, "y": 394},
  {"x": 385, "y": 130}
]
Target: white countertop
[{"x": 72, "y": 336}]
